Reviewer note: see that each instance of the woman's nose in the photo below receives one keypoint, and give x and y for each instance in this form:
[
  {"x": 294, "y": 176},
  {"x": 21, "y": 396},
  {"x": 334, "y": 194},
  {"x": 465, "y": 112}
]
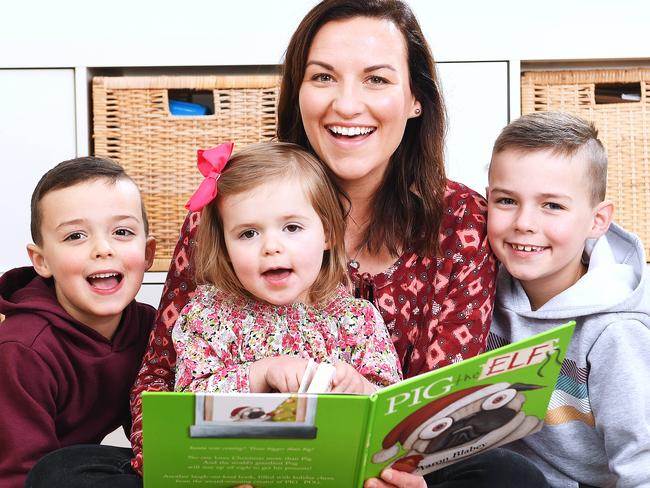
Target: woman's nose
[{"x": 348, "y": 101}]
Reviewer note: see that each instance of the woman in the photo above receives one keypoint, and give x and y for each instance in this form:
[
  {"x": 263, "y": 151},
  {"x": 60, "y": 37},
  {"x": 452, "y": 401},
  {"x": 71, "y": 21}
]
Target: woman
[{"x": 359, "y": 90}]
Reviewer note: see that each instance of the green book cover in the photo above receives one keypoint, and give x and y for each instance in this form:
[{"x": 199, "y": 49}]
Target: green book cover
[{"x": 417, "y": 425}]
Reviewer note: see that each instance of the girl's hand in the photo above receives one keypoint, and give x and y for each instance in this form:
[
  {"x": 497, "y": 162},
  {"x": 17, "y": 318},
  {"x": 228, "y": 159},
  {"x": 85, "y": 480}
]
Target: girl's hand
[
  {"x": 349, "y": 380},
  {"x": 278, "y": 373},
  {"x": 390, "y": 478}
]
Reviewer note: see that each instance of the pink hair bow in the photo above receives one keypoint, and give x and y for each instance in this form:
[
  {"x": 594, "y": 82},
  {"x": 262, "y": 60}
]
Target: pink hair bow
[{"x": 210, "y": 163}]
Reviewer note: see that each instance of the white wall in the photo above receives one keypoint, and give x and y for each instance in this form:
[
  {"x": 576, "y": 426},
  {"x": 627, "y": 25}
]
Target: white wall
[
  {"x": 50, "y": 107},
  {"x": 70, "y": 33}
]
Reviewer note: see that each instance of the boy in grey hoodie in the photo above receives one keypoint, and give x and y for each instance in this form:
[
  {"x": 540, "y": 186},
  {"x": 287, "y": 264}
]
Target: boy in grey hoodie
[{"x": 563, "y": 259}]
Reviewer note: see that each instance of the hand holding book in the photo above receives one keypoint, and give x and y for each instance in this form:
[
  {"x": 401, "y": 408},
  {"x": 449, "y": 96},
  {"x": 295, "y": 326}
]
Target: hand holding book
[
  {"x": 338, "y": 378},
  {"x": 290, "y": 374},
  {"x": 278, "y": 373},
  {"x": 349, "y": 380}
]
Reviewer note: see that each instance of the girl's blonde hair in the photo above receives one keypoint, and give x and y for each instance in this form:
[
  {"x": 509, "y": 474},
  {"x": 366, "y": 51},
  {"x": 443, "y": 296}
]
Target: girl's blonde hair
[{"x": 249, "y": 168}]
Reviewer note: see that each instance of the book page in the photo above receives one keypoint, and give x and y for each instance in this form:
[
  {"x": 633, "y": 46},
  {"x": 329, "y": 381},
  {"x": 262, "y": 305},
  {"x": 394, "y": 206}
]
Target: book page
[
  {"x": 223, "y": 440},
  {"x": 436, "y": 419}
]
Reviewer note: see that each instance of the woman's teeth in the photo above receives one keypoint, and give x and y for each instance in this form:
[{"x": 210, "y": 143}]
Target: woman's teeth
[{"x": 350, "y": 131}]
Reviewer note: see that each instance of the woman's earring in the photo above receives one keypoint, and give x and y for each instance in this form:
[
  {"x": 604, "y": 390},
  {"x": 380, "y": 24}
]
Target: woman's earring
[{"x": 417, "y": 111}]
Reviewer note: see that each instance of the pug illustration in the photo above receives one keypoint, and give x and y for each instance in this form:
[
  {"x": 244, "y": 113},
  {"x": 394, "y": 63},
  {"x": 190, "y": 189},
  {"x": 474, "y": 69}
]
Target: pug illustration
[
  {"x": 287, "y": 411},
  {"x": 249, "y": 413},
  {"x": 459, "y": 425}
]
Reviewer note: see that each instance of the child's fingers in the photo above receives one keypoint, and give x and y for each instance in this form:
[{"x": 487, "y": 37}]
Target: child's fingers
[
  {"x": 341, "y": 387},
  {"x": 285, "y": 373},
  {"x": 278, "y": 380},
  {"x": 302, "y": 366},
  {"x": 293, "y": 382},
  {"x": 341, "y": 377},
  {"x": 275, "y": 382},
  {"x": 292, "y": 374},
  {"x": 343, "y": 371},
  {"x": 349, "y": 384},
  {"x": 338, "y": 375}
]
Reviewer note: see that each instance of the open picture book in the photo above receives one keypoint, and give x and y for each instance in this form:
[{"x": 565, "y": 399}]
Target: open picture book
[{"x": 331, "y": 440}]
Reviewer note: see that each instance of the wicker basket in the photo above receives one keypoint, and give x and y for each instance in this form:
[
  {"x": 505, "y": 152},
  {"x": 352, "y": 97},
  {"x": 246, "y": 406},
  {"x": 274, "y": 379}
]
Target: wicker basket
[
  {"x": 132, "y": 125},
  {"x": 624, "y": 129}
]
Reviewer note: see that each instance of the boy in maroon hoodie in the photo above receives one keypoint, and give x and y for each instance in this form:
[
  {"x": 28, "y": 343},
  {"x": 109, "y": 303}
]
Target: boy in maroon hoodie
[{"x": 73, "y": 336}]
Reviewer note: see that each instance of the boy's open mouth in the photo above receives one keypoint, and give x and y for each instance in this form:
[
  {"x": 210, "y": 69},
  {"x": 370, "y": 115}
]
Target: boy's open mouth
[{"x": 104, "y": 281}]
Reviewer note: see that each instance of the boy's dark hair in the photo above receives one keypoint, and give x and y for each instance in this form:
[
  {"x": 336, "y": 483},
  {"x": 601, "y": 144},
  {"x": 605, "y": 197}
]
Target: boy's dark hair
[
  {"x": 69, "y": 173},
  {"x": 564, "y": 134}
]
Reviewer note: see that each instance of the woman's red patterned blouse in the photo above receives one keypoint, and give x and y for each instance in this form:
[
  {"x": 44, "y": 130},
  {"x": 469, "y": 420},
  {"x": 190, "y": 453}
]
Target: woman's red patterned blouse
[{"x": 437, "y": 309}]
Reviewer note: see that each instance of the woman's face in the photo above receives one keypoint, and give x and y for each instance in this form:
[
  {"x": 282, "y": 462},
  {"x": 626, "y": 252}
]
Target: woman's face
[{"x": 355, "y": 97}]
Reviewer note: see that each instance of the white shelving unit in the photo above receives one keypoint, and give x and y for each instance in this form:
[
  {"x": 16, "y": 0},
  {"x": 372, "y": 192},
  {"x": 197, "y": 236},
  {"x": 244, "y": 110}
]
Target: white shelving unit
[
  {"x": 47, "y": 60},
  {"x": 37, "y": 130}
]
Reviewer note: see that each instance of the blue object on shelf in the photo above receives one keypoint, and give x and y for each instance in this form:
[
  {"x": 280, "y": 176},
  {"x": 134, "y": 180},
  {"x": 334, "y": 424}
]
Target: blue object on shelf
[{"x": 177, "y": 107}]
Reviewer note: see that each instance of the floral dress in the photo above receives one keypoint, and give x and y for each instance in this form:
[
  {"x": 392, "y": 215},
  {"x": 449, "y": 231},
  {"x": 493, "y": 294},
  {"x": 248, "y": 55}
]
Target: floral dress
[{"x": 218, "y": 336}]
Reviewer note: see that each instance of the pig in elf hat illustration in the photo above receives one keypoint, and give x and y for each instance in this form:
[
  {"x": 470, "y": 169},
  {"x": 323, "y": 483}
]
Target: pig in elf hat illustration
[{"x": 457, "y": 426}]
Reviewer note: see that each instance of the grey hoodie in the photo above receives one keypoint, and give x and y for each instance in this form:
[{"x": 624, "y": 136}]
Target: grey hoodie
[{"x": 597, "y": 429}]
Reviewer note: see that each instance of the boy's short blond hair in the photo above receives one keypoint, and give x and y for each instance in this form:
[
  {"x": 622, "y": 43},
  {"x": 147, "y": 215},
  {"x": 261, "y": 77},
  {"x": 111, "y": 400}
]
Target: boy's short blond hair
[
  {"x": 260, "y": 164},
  {"x": 564, "y": 134}
]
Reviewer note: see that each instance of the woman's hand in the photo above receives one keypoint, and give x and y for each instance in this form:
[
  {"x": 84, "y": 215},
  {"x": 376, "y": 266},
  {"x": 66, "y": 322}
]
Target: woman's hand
[
  {"x": 390, "y": 478},
  {"x": 277, "y": 373},
  {"x": 349, "y": 380}
]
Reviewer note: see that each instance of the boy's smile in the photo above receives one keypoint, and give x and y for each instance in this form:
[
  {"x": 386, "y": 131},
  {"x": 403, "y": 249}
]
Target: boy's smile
[
  {"x": 525, "y": 248},
  {"x": 105, "y": 282},
  {"x": 539, "y": 217},
  {"x": 95, "y": 248}
]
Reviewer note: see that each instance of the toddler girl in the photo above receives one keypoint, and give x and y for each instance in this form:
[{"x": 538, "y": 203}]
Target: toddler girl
[{"x": 271, "y": 269}]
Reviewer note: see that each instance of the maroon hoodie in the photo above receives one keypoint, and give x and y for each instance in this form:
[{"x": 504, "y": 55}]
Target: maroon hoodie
[{"x": 61, "y": 383}]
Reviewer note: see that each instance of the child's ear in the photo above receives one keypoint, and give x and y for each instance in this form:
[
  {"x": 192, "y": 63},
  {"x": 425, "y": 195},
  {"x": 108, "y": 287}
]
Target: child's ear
[
  {"x": 38, "y": 260},
  {"x": 603, "y": 214},
  {"x": 150, "y": 251}
]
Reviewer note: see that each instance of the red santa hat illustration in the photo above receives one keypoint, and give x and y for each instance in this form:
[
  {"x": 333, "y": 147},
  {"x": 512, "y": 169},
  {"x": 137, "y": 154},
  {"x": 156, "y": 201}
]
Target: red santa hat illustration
[{"x": 236, "y": 411}]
